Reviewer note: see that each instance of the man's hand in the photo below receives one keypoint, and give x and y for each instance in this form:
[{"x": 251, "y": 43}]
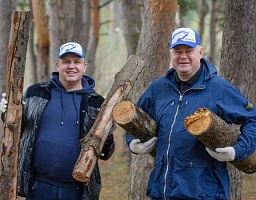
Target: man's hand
[
  {"x": 222, "y": 154},
  {"x": 3, "y": 103},
  {"x": 137, "y": 146}
]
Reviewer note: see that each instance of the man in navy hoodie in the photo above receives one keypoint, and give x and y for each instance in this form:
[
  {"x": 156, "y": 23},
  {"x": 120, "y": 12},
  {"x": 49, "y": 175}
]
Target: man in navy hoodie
[{"x": 56, "y": 115}]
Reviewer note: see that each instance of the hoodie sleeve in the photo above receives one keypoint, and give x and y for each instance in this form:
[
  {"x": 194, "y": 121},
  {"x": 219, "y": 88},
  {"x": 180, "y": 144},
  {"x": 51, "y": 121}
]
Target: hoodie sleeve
[{"x": 108, "y": 148}]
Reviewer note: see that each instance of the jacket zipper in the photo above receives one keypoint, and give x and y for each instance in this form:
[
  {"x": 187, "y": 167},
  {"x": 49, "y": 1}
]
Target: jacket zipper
[{"x": 169, "y": 144}]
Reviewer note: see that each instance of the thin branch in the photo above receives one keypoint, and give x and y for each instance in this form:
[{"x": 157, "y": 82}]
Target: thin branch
[{"x": 106, "y": 3}]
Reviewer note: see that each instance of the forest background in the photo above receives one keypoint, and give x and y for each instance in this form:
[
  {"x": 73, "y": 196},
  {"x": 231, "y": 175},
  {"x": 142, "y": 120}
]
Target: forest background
[{"x": 107, "y": 51}]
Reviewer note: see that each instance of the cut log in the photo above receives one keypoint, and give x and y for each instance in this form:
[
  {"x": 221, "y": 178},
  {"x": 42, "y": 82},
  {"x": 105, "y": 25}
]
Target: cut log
[
  {"x": 135, "y": 121},
  {"x": 214, "y": 132},
  {"x": 92, "y": 144},
  {"x": 14, "y": 90}
]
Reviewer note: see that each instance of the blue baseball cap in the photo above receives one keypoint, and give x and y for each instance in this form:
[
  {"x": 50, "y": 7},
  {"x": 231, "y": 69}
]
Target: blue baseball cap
[
  {"x": 71, "y": 47},
  {"x": 185, "y": 36}
]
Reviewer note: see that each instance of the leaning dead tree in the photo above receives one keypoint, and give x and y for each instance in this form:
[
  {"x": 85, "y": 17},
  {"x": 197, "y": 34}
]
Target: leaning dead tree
[
  {"x": 135, "y": 121},
  {"x": 214, "y": 132},
  {"x": 92, "y": 144},
  {"x": 14, "y": 90}
]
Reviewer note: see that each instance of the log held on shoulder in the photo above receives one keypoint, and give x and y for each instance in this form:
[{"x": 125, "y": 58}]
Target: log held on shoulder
[{"x": 214, "y": 132}]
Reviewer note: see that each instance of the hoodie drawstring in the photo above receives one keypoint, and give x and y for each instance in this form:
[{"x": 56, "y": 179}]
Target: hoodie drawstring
[
  {"x": 76, "y": 108},
  {"x": 62, "y": 106}
]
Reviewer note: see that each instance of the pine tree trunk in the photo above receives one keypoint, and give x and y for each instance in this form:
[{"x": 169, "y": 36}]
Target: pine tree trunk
[
  {"x": 157, "y": 25},
  {"x": 238, "y": 66}
]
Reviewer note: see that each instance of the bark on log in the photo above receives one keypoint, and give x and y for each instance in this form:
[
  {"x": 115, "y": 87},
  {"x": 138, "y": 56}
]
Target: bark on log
[
  {"x": 14, "y": 90},
  {"x": 214, "y": 132},
  {"x": 135, "y": 121},
  {"x": 92, "y": 144}
]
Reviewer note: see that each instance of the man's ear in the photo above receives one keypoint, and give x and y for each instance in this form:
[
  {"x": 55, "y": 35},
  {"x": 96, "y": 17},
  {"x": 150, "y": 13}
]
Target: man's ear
[
  {"x": 85, "y": 66},
  {"x": 57, "y": 65},
  {"x": 201, "y": 52}
]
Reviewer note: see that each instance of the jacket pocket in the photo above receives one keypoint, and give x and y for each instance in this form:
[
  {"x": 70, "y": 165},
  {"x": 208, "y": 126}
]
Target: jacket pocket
[{"x": 189, "y": 178}]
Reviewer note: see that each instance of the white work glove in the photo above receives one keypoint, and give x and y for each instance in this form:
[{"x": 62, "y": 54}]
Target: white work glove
[
  {"x": 137, "y": 146},
  {"x": 3, "y": 103},
  {"x": 222, "y": 154}
]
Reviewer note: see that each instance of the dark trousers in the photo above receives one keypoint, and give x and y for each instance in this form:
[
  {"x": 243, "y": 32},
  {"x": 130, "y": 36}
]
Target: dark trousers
[{"x": 43, "y": 191}]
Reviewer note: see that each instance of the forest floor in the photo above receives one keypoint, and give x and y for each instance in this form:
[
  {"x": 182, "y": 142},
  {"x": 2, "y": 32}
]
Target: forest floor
[{"x": 116, "y": 178}]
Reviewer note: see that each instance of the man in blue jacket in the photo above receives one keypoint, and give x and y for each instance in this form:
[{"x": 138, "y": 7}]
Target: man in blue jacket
[
  {"x": 183, "y": 167},
  {"x": 56, "y": 115}
]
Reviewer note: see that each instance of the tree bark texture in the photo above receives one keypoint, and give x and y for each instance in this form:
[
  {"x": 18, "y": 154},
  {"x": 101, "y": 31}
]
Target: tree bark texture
[
  {"x": 238, "y": 66},
  {"x": 214, "y": 132},
  {"x": 135, "y": 121},
  {"x": 14, "y": 90},
  {"x": 124, "y": 80}
]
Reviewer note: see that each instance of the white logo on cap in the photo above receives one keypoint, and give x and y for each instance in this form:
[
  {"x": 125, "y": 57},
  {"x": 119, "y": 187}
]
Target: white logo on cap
[
  {"x": 70, "y": 48},
  {"x": 184, "y": 36}
]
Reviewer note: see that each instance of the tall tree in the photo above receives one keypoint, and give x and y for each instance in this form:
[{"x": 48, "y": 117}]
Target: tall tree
[
  {"x": 6, "y": 8},
  {"x": 130, "y": 22},
  {"x": 94, "y": 36},
  {"x": 213, "y": 22},
  {"x": 65, "y": 25},
  {"x": 30, "y": 77},
  {"x": 42, "y": 39},
  {"x": 153, "y": 48},
  {"x": 238, "y": 59},
  {"x": 202, "y": 10}
]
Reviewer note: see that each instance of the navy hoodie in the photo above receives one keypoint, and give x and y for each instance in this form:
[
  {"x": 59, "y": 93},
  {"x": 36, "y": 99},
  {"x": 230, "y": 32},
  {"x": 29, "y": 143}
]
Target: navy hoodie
[{"x": 57, "y": 145}]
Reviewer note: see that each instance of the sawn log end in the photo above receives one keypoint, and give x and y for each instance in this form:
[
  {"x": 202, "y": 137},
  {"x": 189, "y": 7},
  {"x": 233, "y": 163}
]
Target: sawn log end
[{"x": 198, "y": 122}]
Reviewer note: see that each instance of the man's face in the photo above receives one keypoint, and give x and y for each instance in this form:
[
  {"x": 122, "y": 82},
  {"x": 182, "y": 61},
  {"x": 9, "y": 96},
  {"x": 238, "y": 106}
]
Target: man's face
[
  {"x": 186, "y": 60},
  {"x": 71, "y": 69}
]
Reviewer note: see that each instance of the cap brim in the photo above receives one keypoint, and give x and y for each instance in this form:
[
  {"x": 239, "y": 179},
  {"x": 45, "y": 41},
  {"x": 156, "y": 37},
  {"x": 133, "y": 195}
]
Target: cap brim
[
  {"x": 73, "y": 53},
  {"x": 190, "y": 44}
]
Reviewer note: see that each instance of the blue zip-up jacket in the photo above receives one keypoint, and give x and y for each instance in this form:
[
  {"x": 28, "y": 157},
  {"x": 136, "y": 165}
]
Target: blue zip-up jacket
[{"x": 183, "y": 168}]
